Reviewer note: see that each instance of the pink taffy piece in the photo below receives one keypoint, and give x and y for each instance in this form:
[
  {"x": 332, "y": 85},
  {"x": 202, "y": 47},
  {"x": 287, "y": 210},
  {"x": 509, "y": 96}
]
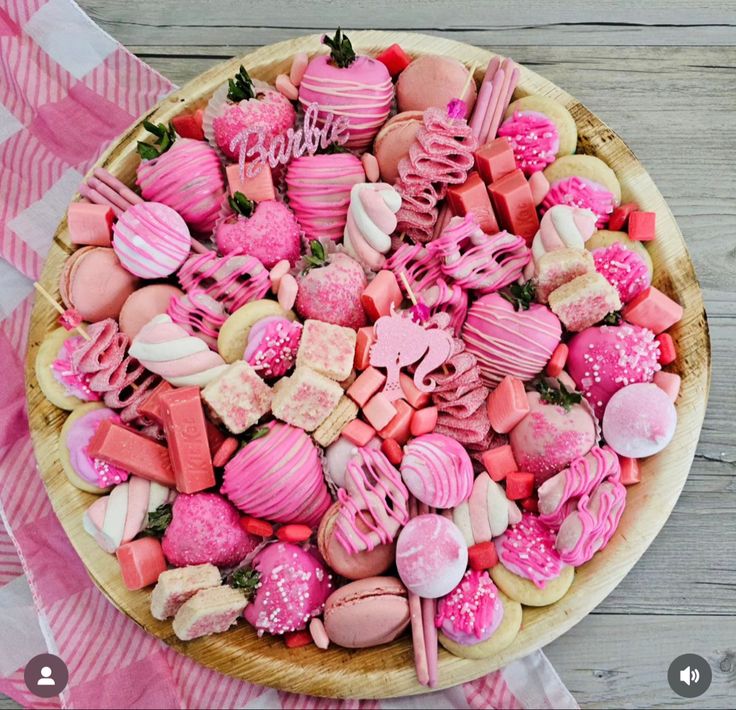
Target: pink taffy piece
[
  {"x": 507, "y": 405},
  {"x": 401, "y": 342}
]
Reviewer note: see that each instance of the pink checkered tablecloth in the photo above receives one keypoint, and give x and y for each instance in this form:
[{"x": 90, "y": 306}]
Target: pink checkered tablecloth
[{"x": 66, "y": 90}]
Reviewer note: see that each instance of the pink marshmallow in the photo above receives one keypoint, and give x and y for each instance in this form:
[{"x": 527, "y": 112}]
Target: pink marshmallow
[
  {"x": 652, "y": 309},
  {"x": 370, "y": 165},
  {"x": 90, "y": 224},
  {"x": 507, "y": 405},
  {"x": 277, "y": 273},
  {"x": 358, "y": 432},
  {"x": 366, "y": 385},
  {"x": 669, "y": 382},
  {"x": 288, "y": 289},
  {"x": 363, "y": 344},
  {"x": 141, "y": 562},
  {"x": 424, "y": 421},
  {"x": 499, "y": 462},
  {"x": 380, "y": 294},
  {"x": 299, "y": 64},
  {"x": 399, "y": 427},
  {"x": 286, "y": 88},
  {"x": 412, "y": 394},
  {"x": 379, "y": 411}
]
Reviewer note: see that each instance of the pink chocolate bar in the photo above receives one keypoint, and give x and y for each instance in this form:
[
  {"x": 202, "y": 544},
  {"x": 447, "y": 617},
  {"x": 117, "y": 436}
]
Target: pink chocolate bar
[
  {"x": 494, "y": 160},
  {"x": 472, "y": 197},
  {"x": 515, "y": 209}
]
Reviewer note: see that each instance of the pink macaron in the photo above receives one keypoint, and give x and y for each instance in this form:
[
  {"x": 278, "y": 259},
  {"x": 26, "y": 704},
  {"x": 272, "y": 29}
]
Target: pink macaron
[
  {"x": 368, "y": 612},
  {"x": 144, "y": 304},
  {"x": 95, "y": 283},
  {"x": 431, "y": 555},
  {"x": 434, "y": 80},
  {"x": 393, "y": 142}
]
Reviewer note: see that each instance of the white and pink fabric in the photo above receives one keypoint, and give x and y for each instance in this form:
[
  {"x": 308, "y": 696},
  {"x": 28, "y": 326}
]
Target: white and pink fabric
[{"x": 66, "y": 90}]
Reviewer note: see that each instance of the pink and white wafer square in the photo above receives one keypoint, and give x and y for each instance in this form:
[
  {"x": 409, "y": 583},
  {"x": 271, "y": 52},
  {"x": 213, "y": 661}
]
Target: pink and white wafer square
[
  {"x": 326, "y": 348},
  {"x": 209, "y": 611},
  {"x": 305, "y": 399},
  {"x": 176, "y": 586}
]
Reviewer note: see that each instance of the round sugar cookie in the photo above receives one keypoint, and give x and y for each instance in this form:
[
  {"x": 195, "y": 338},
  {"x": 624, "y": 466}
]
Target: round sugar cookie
[
  {"x": 233, "y": 335},
  {"x": 52, "y": 389},
  {"x": 557, "y": 113},
  {"x": 604, "y": 238},
  {"x": 502, "y": 637},
  {"x": 584, "y": 166},
  {"x": 526, "y": 592}
]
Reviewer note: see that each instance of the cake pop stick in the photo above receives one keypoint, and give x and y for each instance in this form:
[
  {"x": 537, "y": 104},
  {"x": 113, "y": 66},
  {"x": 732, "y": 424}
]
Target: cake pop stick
[
  {"x": 429, "y": 608},
  {"x": 417, "y": 624},
  {"x": 70, "y": 319}
]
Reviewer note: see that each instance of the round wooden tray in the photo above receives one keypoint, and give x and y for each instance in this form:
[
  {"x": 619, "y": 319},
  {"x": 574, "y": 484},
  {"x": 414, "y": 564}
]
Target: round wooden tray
[{"x": 388, "y": 670}]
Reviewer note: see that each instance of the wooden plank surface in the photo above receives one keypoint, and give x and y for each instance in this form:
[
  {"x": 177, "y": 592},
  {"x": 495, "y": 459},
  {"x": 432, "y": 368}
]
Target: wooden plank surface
[{"x": 672, "y": 101}]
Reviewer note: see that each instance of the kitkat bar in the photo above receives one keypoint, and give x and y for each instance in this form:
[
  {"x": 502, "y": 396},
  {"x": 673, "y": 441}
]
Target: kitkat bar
[
  {"x": 495, "y": 160},
  {"x": 186, "y": 434},
  {"x": 514, "y": 205},
  {"x": 472, "y": 198},
  {"x": 132, "y": 452}
]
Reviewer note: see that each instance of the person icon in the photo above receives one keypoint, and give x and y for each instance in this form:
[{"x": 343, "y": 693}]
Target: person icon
[{"x": 46, "y": 678}]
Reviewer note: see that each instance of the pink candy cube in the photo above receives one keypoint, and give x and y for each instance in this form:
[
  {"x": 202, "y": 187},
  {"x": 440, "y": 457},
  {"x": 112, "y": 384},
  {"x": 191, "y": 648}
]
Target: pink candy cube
[
  {"x": 652, "y": 309},
  {"x": 141, "y": 562},
  {"x": 630, "y": 471},
  {"x": 424, "y": 421},
  {"x": 499, "y": 462},
  {"x": 90, "y": 224},
  {"x": 379, "y": 411},
  {"x": 412, "y": 394},
  {"x": 494, "y": 160},
  {"x": 363, "y": 344},
  {"x": 366, "y": 385},
  {"x": 238, "y": 398},
  {"x": 507, "y": 405},
  {"x": 358, "y": 432},
  {"x": 669, "y": 382},
  {"x": 556, "y": 363},
  {"x": 641, "y": 226},
  {"x": 381, "y": 294},
  {"x": 258, "y": 188},
  {"x": 398, "y": 428},
  {"x": 305, "y": 399},
  {"x": 326, "y": 348}
]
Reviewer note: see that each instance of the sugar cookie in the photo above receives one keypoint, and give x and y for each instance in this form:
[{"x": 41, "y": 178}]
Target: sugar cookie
[
  {"x": 604, "y": 238},
  {"x": 559, "y": 115},
  {"x": 584, "y": 166},
  {"x": 526, "y": 592}
]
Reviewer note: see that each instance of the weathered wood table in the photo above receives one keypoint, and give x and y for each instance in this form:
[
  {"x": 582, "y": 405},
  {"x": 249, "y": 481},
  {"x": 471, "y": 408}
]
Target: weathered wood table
[{"x": 664, "y": 78}]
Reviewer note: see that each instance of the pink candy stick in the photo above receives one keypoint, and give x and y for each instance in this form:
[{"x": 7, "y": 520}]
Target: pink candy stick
[
  {"x": 109, "y": 193},
  {"x": 417, "y": 624},
  {"x": 94, "y": 196},
  {"x": 494, "y": 102},
  {"x": 120, "y": 187},
  {"x": 511, "y": 76},
  {"x": 429, "y": 607},
  {"x": 481, "y": 107}
]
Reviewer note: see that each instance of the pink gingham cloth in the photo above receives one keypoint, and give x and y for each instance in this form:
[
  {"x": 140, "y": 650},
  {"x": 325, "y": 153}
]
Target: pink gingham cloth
[{"x": 66, "y": 90}]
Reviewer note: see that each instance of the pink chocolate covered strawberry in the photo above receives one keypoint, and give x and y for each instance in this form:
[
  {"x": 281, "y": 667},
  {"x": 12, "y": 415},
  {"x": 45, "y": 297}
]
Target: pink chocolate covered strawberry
[
  {"x": 267, "y": 230},
  {"x": 251, "y": 106},
  {"x": 330, "y": 288},
  {"x": 205, "y": 528},
  {"x": 356, "y": 87}
]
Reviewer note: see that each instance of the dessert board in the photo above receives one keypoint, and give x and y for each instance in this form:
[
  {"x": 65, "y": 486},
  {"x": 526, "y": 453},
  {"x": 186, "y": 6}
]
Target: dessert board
[{"x": 388, "y": 670}]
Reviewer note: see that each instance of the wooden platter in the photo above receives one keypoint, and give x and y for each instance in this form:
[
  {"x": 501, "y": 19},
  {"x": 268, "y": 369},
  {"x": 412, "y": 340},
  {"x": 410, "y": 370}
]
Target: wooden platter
[{"x": 388, "y": 670}]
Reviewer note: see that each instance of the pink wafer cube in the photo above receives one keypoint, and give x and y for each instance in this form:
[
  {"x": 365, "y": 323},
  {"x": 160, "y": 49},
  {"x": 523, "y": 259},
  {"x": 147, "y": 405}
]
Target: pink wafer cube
[
  {"x": 358, "y": 432},
  {"x": 380, "y": 294},
  {"x": 507, "y": 405},
  {"x": 652, "y": 309},
  {"x": 379, "y": 411},
  {"x": 399, "y": 427},
  {"x": 366, "y": 385},
  {"x": 365, "y": 339},
  {"x": 305, "y": 399},
  {"x": 499, "y": 462},
  {"x": 326, "y": 348},
  {"x": 584, "y": 301},
  {"x": 258, "y": 188},
  {"x": 238, "y": 398},
  {"x": 558, "y": 267}
]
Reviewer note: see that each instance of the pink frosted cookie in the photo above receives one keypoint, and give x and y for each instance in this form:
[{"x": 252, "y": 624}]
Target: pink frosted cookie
[
  {"x": 60, "y": 381},
  {"x": 272, "y": 346},
  {"x": 472, "y": 611},
  {"x": 431, "y": 556},
  {"x": 209, "y": 611},
  {"x": 151, "y": 240},
  {"x": 293, "y": 585},
  {"x": 176, "y": 586},
  {"x": 485, "y": 514},
  {"x": 556, "y": 431},
  {"x": 305, "y": 399},
  {"x": 437, "y": 470},
  {"x": 624, "y": 269},
  {"x": 534, "y": 138},
  {"x": 476, "y": 260},
  {"x": 603, "y": 359},
  {"x": 373, "y": 495},
  {"x": 326, "y": 348},
  {"x": 639, "y": 421},
  {"x": 563, "y": 226},
  {"x": 583, "y": 193},
  {"x": 278, "y": 477},
  {"x": 188, "y": 178},
  {"x": 584, "y": 301},
  {"x": 510, "y": 342}
]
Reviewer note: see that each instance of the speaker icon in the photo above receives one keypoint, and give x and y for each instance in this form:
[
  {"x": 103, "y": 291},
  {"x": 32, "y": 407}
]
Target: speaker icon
[{"x": 688, "y": 675}]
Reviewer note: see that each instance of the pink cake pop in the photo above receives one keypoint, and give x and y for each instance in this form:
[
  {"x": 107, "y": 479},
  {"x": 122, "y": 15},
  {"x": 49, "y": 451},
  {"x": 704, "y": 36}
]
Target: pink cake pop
[
  {"x": 421, "y": 268},
  {"x": 510, "y": 342},
  {"x": 293, "y": 585},
  {"x": 431, "y": 556},
  {"x": 534, "y": 138},
  {"x": 437, "y": 470},
  {"x": 151, "y": 240},
  {"x": 581, "y": 192},
  {"x": 358, "y": 88},
  {"x": 563, "y": 227},
  {"x": 188, "y": 178},
  {"x": 527, "y": 549},
  {"x": 318, "y": 189},
  {"x": 624, "y": 269},
  {"x": 476, "y": 260},
  {"x": 639, "y": 420},
  {"x": 472, "y": 611},
  {"x": 278, "y": 477},
  {"x": 603, "y": 359},
  {"x": 272, "y": 346}
]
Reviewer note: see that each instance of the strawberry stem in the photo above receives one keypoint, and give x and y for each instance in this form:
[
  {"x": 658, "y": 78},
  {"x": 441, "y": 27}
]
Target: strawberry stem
[
  {"x": 561, "y": 397},
  {"x": 342, "y": 53},
  {"x": 245, "y": 579},
  {"x": 158, "y": 521},
  {"x": 241, "y": 204},
  {"x": 165, "y": 138},
  {"x": 520, "y": 295},
  {"x": 240, "y": 87}
]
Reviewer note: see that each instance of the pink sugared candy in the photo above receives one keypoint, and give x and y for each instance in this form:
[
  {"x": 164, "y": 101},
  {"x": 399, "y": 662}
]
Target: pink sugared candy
[
  {"x": 639, "y": 420},
  {"x": 151, "y": 240},
  {"x": 431, "y": 556}
]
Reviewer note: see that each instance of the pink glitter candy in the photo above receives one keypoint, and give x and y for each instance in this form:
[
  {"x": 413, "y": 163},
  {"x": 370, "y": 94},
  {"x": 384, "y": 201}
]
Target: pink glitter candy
[
  {"x": 75, "y": 383},
  {"x": 272, "y": 346},
  {"x": 579, "y": 192},
  {"x": 534, "y": 139},
  {"x": 457, "y": 108},
  {"x": 624, "y": 269},
  {"x": 70, "y": 319}
]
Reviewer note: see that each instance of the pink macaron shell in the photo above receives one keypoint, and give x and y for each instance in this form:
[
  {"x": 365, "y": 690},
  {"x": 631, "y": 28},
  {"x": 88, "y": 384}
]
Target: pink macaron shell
[
  {"x": 96, "y": 284},
  {"x": 393, "y": 142},
  {"x": 434, "y": 80},
  {"x": 431, "y": 555},
  {"x": 367, "y": 563},
  {"x": 639, "y": 421},
  {"x": 144, "y": 304},
  {"x": 368, "y": 612}
]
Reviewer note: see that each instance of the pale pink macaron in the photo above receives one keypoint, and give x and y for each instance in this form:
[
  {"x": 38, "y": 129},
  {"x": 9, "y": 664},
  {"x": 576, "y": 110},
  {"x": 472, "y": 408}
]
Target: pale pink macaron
[
  {"x": 95, "y": 283},
  {"x": 144, "y": 304},
  {"x": 393, "y": 142},
  {"x": 366, "y": 613},
  {"x": 434, "y": 80},
  {"x": 431, "y": 555}
]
